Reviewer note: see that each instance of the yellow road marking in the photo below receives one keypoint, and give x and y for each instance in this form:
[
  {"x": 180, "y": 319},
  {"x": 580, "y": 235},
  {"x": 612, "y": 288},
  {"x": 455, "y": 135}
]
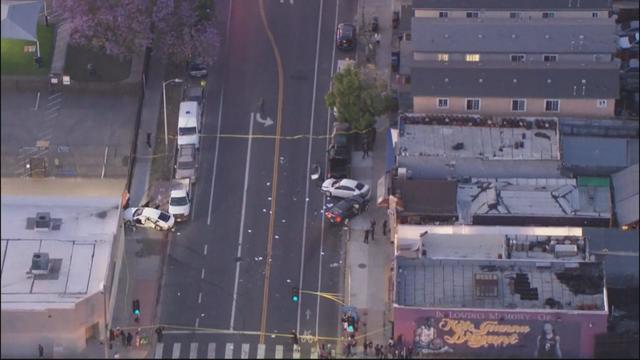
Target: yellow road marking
[{"x": 276, "y": 166}]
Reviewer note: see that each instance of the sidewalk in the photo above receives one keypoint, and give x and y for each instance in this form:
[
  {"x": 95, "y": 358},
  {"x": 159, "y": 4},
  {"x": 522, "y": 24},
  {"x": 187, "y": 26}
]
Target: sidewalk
[{"x": 367, "y": 265}]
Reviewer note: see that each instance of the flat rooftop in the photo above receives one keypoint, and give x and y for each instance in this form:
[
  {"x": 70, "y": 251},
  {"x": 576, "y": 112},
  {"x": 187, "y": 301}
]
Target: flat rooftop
[
  {"x": 570, "y": 5},
  {"x": 626, "y": 195},
  {"x": 532, "y": 201},
  {"x": 426, "y": 197},
  {"x": 87, "y": 215},
  {"x": 434, "y": 146},
  {"x": 499, "y": 284}
]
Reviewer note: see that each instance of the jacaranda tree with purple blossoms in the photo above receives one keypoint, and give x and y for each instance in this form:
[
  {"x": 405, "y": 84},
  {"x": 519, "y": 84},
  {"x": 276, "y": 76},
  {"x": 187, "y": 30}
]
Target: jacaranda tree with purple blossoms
[{"x": 178, "y": 30}]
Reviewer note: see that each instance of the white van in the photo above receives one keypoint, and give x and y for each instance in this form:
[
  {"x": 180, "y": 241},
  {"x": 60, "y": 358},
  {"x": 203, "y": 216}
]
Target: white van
[{"x": 189, "y": 124}]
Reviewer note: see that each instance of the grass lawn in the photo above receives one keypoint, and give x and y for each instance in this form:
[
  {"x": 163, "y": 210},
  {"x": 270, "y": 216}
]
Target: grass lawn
[
  {"x": 108, "y": 68},
  {"x": 16, "y": 62}
]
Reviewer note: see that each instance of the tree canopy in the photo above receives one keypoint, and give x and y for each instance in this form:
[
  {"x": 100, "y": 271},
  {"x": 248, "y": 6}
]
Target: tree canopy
[
  {"x": 176, "y": 30},
  {"x": 357, "y": 101}
]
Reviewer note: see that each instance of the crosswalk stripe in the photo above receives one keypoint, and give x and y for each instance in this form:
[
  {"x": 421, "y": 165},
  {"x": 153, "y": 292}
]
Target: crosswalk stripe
[
  {"x": 193, "y": 351},
  {"x": 296, "y": 351},
  {"x": 279, "y": 351},
  {"x": 159, "y": 347},
  {"x": 228, "y": 351},
  {"x": 176, "y": 351},
  {"x": 211, "y": 351},
  {"x": 261, "y": 348},
  {"x": 314, "y": 352},
  {"x": 245, "y": 351}
]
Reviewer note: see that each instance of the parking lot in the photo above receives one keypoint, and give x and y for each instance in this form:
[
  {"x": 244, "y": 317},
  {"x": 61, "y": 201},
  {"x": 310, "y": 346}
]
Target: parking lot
[{"x": 78, "y": 134}]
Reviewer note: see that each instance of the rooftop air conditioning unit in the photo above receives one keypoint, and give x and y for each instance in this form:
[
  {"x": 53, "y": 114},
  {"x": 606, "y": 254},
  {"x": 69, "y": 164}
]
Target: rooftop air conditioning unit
[
  {"x": 43, "y": 221},
  {"x": 563, "y": 250},
  {"x": 39, "y": 263}
]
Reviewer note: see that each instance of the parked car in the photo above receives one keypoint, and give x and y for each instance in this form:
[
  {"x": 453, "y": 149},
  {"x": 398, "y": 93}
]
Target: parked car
[
  {"x": 346, "y": 36},
  {"x": 344, "y": 188},
  {"x": 628, "y": 41},
  {"x": 148, "y": 217},
  {"x": 346, "y": 209},
  {"x": 197, "y": 69},
  {"x": 189, "y": 123},
  {"x": 338, "y": 168},
  {"x": 180, "y": 200},
  {"x": 340, "y": 141},
  {"x": 194, "y": 93},
  {"x": 187, "y": 163}
]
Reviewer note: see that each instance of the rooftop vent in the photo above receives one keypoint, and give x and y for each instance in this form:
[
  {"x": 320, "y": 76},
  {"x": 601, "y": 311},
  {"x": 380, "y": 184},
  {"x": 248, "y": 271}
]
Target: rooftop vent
[
  {"x": 43, "y": 221},
  {"x": 40, "y": 263},
  {"x": 486, "y": 285}
]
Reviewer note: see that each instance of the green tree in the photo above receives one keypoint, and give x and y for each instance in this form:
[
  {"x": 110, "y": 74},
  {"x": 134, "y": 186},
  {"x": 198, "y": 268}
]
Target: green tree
[{"x": 356, "y": 100}]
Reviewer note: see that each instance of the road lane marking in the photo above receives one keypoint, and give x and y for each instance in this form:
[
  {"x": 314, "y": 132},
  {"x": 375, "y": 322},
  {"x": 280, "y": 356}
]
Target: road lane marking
[
  {"x": 199, "y": 298},
  {"x": 193, "y": 351},
  {"x": 306, "y": 196},
  {"x": 215, "y": 157},
  {"x": 279, "y": 352},
  {"x": 158, "y": 354},
  {"x": 197, "y": 321},
  {"x": 242, "y": 215},
  {"x": 245, "y": 351},
  {"x": 228, "y": 351},
  {"x": 276, "y": 167},
  {"x": 202, "y": 274},
  {"x": 104, "y": 163},
  {"x": 37, "y": 101},
  {"x": 326, "y": 163},
  {"x": 211, "y": 351},
  {"x": 260, "y": 354},
  {"x": 176, "y": 351},
  {"x": 205, "y": 249}
]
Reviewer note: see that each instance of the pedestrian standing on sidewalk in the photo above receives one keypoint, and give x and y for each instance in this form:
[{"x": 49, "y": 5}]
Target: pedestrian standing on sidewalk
[
  {"x": 365, "y": 150},
  {"x": 129, "y": 338},
  {"x": 373, "y": 229},
  {"x": 366, "y": 236},
  {"x": 149, "y": 140},
  {"x": 159, "y": 330},
  {"x": 137, "y": 338},
  {"x": 40, "y": 351}
]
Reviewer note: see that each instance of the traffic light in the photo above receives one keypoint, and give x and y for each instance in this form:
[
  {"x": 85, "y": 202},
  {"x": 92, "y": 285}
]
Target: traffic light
[
  {"x": 295, "y": 294},
  {"x": 136, "y": 307}
]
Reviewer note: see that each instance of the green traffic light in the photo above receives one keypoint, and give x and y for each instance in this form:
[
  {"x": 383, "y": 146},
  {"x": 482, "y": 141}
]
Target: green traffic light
[{"x": 295, "y": 294}]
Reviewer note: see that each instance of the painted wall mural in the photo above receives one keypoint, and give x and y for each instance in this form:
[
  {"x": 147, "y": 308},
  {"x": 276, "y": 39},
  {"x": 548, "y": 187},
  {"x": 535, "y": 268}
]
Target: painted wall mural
[{"x": 498, "y": 333}]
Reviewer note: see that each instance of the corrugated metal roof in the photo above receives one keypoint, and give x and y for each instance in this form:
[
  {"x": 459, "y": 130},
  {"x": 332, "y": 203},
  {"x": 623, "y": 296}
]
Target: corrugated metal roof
[
  {"x": 588, "y": 152},
  {"x": 626, "y": 185},
  {"x": 513, "y": 5},
  {"x": 500, "y": 36},
  {"x": 515, "y": 82}
]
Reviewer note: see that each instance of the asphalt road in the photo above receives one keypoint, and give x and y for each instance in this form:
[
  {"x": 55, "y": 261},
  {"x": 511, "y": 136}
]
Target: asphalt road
[{"x": 257, "y": 228}]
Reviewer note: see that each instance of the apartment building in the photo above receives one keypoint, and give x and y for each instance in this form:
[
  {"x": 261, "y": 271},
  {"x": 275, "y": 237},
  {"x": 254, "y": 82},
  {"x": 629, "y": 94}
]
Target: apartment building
[{"x": 496, "y": 61}]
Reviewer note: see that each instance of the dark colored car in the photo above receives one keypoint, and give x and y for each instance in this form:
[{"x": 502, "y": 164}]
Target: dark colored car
[
  {"x": 197, "y": 69},
  {"x": 346, "y": 209},
  {"x": 340, "y": 141},
  {"x": 338, "y": 168},
  {"x": 346, "y": 37}
]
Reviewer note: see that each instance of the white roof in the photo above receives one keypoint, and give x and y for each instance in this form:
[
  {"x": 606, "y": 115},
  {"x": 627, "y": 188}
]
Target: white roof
[
  {"x": 188, "y": 113},
  {"x": 348, "y": 182},
  {"x": 79, "y": 252}
]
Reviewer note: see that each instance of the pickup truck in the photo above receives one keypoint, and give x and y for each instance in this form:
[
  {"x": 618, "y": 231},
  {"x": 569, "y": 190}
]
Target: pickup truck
[{"x": 180, "y": 201}]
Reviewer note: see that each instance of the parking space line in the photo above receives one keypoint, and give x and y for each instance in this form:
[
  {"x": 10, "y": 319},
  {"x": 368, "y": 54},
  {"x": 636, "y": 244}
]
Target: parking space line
[{"x": 176, "y": 351}]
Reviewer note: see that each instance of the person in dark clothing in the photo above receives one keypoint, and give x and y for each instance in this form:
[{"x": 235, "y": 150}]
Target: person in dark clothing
[
  {"x": 373, "y": 229},
  {"x": 384, "y": 227},
  {"x": 40, "y": 350},
  {"x": 129, "y": 338},
  {"x": 159, "y": 333},
  {"x": 149, "y": 140},
  {"x": 366, "y": 236},
  {"x": 365, "y": 150}
]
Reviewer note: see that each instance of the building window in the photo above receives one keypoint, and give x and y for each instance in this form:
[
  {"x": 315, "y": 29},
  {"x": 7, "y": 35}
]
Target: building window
[
  {"x": 515, "y": 15},
  {"x": 550, "y": 58},
  {"x": 443, "y": 103},
  {"x": 518, "y": 105},
  {"x": 552, "y": 105},
  {"x": 517, "y": 58},
  {"x": 473, "y": 104},
  {"x": 594, "y": 15},
  {"x": 443, "y": 14},
  {"x": 443, "y": 57},
  {"x": 472, "y": 57},
  {"x": 548, "y": 15},
  {"x": 602, "y": 103},
  {"x": 472, "y": 14}
]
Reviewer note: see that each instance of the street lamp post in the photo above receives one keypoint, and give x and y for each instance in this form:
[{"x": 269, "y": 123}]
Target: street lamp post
[{"x": 164, "y": 101}]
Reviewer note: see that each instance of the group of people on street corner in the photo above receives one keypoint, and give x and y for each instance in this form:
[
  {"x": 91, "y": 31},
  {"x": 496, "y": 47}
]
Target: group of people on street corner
[{"x": 370, "y": 231}]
